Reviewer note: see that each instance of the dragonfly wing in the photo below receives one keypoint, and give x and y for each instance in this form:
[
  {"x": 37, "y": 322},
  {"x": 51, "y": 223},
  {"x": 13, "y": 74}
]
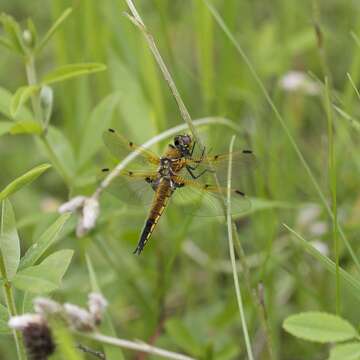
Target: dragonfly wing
[
  {"x": 133, "y": 187},
  {"x": 204, "y": 199},
  {"x": 243, "y": 161},
  {"x": 120, "y": 147}
]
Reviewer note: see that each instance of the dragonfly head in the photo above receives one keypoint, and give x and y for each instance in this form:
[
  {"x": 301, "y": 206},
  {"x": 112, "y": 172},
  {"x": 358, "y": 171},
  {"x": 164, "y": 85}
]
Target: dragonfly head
[{"x": 183, "y": 144}]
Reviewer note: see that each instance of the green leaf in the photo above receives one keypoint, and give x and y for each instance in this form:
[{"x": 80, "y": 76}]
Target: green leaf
[
  {"x": 4, "y": 318},
  {"x": 26, "y": 127},
  {"x": 23, "y": 180},
  {"x": 100, "y": 120},
  {"x": 45, "y": 277},
  {"x": 70, "y": 71},
  {"x": 5, "y": 101},
  {"x": 20, "y": 97},
  {"x": 319, "y": 327},
  {"x": 9, "y": 242},
  {"x": 182, "y": 336},
  {"x": 13, "y": 31},
  {"x": 45, "y": 241},
  {"x": 346, "y": 352},
  {"x": 54, "y": 28},
  {"x": 5, "y": 127}
]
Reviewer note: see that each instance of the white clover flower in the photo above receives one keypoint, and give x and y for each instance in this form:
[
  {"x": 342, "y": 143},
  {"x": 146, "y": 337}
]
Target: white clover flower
[
  {"x": 36, "y": 333},
  {"x": 46, "y": 306},
  {"x": 299, "y": 81},
  {"x": 79, "y": 318},
  {"x": 73, "y": 204},
  {"x": 308, "y": 214},
  {"x": 97, "y": 305},
  {"x": 89, "y": 215},
  {"x": 319, "y": 228},
  {"x": 23, "y": 321},
  {"x": 321, "y": 247}
]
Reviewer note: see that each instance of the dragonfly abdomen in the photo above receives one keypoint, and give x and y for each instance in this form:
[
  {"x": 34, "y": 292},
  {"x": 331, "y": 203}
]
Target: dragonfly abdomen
[{"x": 161, "y": 198}]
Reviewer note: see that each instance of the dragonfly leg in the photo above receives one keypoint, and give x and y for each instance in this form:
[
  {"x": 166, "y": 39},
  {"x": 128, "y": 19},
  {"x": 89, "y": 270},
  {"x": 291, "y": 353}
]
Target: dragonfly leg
[
  {"x": 192, "y": 149},
  {"x": 190, "y": 171},
  {"x": 198, "y": 162}
]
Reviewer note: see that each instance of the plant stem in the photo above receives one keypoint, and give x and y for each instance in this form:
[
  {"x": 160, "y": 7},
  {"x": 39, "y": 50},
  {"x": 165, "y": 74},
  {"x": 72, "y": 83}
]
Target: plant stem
[
  {"x": 10, "y": 303},
  {"x": 32, "y": 80},
  {"x": 232, "y": 256},
  {"x": 35, "y": 100},
  {"x": 286, "y": 130},
  {"x": 332, "y": 185},
  {"x": 138, "y": 346}
]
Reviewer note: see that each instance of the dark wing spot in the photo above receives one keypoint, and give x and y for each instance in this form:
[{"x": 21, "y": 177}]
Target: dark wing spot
[
  {"x": 105, "y": 170},
  {"x": 247, "y": 152},
  {"x": 239, "y": 192},
  {"x": 206, "y": 186},
  {"x": 216, "y": 157},
  {"x": 148, "y": 180},
  {"x": 111, "y": 130},
  {"x": 130, "y": 173},
  {"x": 131, "y": 144}
]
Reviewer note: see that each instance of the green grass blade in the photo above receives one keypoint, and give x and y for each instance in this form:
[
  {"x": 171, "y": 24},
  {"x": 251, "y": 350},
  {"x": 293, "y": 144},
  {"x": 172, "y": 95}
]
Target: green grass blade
[
  {"x": 232, "y": 257},
  {"x": 53, "y": 29},
  {"x": 350, "y": 280},
  {"x": 332, "y": 185},
  {"x": 70, "y": 71}
]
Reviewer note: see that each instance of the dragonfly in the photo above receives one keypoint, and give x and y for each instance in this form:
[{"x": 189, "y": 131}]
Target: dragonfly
[{"x": 154, "y": 180}]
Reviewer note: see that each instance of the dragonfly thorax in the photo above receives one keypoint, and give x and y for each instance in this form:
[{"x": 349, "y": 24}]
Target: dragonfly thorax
[{"x": 165, "y": 169}]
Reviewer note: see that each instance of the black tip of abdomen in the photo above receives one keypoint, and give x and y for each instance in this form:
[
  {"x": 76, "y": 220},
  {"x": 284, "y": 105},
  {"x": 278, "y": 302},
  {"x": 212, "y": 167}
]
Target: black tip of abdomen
[{"x": 144, "y": 236}]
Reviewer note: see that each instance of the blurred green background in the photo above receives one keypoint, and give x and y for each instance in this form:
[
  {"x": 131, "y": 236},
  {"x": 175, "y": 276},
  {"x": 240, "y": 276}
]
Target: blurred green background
[{"x": 179, "y": 293}]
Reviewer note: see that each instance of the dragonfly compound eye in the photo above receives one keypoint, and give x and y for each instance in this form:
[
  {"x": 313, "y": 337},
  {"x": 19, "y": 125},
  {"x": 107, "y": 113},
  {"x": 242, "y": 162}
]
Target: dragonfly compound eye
[{"x": 186, "y": 140}]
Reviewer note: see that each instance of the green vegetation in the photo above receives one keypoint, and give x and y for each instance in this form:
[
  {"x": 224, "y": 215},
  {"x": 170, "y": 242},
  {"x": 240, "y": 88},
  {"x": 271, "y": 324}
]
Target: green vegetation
[{"x": 282, "y": 76}]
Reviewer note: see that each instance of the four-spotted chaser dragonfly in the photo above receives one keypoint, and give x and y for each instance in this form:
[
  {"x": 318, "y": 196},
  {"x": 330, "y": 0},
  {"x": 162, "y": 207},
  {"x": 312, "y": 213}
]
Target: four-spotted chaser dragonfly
[{"x": 178, "y": 171}]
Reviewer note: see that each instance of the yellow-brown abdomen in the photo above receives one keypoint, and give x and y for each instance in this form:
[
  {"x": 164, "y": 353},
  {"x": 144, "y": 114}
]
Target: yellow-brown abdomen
[{"x": 162, "y": 194}]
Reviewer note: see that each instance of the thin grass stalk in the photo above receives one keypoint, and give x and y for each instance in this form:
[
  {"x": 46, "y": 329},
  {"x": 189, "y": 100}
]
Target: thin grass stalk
[
  {"x": 137, "y": 346},
  {"x": 259, "y": 304},
  {"x": 333, "y": 185},
  {"x": 137, "y": 20},
  {"x": 292, "y": 141},
  {"x": 353, "y": 85},
  {"x": 232, "y": 256},
  {"x": 320, "y": 41},
  {"x": 331, "y": 152}
]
